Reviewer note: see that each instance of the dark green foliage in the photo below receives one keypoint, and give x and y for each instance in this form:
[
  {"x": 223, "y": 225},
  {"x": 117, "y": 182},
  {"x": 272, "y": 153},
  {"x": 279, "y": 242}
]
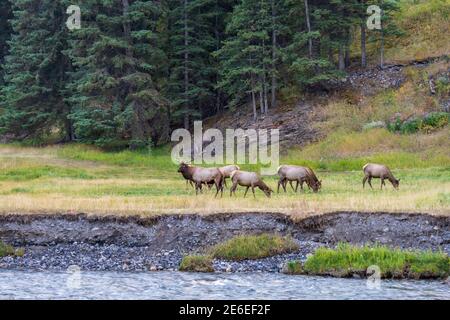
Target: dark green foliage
[
  {"x": 138, "y": 68},
  {"x": 436, "y": 120},
  {"x": 430, "y": 122},
  {"x": 33, "y": 99},
  {"x": 114, "y": 98},
  {"x": 5, "y": 33}
]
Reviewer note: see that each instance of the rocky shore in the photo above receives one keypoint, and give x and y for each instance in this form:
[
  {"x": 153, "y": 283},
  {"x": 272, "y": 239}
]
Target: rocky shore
[{"x": 56, "y": 242}]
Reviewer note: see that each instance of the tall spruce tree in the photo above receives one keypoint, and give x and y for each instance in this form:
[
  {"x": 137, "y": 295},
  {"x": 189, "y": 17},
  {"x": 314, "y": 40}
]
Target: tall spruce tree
[
  {"x": 248, "y": 55},
  {"x": 195, "y": 32},
  {"x": 312, "y": 42},
  {"x": 33, "y": 101},
  {"x": 5, "y": 33},
  {"x": 115, "y": 100}
]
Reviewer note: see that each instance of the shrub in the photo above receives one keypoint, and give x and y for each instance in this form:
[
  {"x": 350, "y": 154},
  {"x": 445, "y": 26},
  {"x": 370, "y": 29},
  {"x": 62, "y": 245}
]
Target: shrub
[
  {"x": 411, "y": 126},
  {"x": 432, "y": 121},
  {"x": 436, "y": 120},
  {"x": 253, "y": 247},
  {"x": 196, "y": 263}
]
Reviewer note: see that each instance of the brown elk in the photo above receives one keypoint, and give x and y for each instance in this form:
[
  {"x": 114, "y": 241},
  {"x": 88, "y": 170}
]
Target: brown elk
[
  {"x": 379, "y": 171},
  {"x": 227, "y": 171},
  {"x": 249, "y": 180},
  {"x": 289, "y": 173},
  {"x": 200, "y": 176}
]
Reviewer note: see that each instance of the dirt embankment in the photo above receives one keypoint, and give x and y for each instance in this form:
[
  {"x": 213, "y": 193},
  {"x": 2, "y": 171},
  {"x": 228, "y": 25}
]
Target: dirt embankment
[
  {"x": 111, "y": 243},
  {"x": 195, "y": 231}
]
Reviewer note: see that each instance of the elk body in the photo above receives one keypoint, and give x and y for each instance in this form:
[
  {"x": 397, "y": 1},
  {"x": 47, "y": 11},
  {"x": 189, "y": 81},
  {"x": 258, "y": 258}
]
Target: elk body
[
  {"x": 289, "y": 173},
  {"x": 200, "y": 176},
  {"x": 249, "y": 180},
  {"x": 379, "y": 171},
  {"x": 227, "y": 171}
]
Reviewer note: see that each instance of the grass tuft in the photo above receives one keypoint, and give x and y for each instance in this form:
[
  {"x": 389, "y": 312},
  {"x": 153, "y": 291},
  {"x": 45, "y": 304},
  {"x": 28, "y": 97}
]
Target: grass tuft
[
  {"x": 196, "y": 263},
  {"x": 347, "y": 260},
  {"x": 246, "y": 247},
  {"x": 7, "y": 250},
  {"x": 293, "y": 268}
]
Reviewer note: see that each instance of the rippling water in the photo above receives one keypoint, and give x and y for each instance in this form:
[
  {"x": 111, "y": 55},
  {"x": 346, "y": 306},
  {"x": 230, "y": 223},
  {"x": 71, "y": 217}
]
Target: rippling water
[{"x": 174, "y": 285}]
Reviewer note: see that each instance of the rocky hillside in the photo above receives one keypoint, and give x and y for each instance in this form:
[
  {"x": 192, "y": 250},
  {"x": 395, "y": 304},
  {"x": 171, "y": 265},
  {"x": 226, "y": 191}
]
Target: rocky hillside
[{"x": 298, "y": 121}]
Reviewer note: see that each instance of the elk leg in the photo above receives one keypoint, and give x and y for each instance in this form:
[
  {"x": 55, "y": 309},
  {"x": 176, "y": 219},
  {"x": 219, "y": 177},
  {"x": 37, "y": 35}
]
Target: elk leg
[
  {"x": 245, "y": 195},
  {"x": 364, "y": 181},
  {"x": 292, "y": 186},
  {"x": 370, "y": 182},
  {"x": 253, "y": 190},
  {"x": 279, "y": 183},
  {"x": 233, "y": 189},
  {"x": 296, "y": 186},
  {"x": 284, "y": 185}
]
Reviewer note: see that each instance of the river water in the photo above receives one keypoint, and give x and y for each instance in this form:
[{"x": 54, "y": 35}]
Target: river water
[{"x": 175, "y": 285}]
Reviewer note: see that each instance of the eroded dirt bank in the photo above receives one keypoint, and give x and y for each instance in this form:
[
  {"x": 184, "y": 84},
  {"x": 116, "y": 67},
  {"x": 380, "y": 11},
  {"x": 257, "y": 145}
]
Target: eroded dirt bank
[{"x": 158, "y": 243}]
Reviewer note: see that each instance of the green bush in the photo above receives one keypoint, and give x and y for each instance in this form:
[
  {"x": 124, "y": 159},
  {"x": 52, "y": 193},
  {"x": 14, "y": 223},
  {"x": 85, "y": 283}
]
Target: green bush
[
  {"x": 253, "y": 247},
  {"x": 196, "y": 263},
  {"x": 411, "y": 126},
  {"x": 436, "y": 120},
  {"x": 430, "y": 122}
]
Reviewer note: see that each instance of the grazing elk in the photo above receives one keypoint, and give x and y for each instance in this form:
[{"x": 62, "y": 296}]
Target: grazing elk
[
  {"x": 249, "y": 180},
  {"x": 379, "y": 171},
  {"x": 227, "y": 171},
  {"x": 288, "y": 173},
  {"x": 200, "y": 176}
]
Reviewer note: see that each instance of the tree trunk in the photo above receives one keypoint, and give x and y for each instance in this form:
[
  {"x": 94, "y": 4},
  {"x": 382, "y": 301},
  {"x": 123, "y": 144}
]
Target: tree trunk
[
  {"x": 308, "y": 26},
  {"x": 261, "y": 99},
  {"x": 347, "y": 51},
  {"x": 341, "y": 58},
  {"x": 382, "y": 43},
  {"x": 217, "y": 38},
  {"x": 186, "y": 73},
  {"x": 255, "y": 115},
  {"x": 266, "y": 103},
  {"x": 363, "y": 45},
  {"x": 274, "y": 56}
]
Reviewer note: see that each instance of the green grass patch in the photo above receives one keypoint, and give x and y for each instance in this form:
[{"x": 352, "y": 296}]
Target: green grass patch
[
  {"x": 153, "y": 158},
  {"x": 31, "y": 173},
  {"x": 347, "y": 260},
  {"x": 293, "y": 267},
  {"x": 7, "y": 250},
  {"x": 246, "y": 247},
  {"x": 196, "y": 263}
]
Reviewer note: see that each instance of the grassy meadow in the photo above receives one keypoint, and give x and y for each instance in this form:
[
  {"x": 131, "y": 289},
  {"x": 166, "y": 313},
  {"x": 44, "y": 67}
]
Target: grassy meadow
[{"x": 77, "y": 178}]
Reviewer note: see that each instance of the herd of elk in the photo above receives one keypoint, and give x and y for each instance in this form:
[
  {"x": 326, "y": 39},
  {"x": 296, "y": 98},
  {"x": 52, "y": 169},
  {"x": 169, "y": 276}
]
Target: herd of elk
[{"x": 210, "y": 177}]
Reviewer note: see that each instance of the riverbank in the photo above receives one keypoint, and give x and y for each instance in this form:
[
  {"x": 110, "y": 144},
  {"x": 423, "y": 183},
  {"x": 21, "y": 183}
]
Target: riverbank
[{"x": 111, "y": 243}]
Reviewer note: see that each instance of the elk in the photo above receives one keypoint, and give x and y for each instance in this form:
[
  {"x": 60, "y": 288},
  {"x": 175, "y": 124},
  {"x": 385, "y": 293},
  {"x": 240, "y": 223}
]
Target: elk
[
  {"x": 249, "y": 180},
  {"x": 187, "y": 175},
  {"x": 300, "y": 175},
  {"x": 200, "y": 176},
  {"x": 227, "y": 171},
  {"x": 379, "y": 171}
]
